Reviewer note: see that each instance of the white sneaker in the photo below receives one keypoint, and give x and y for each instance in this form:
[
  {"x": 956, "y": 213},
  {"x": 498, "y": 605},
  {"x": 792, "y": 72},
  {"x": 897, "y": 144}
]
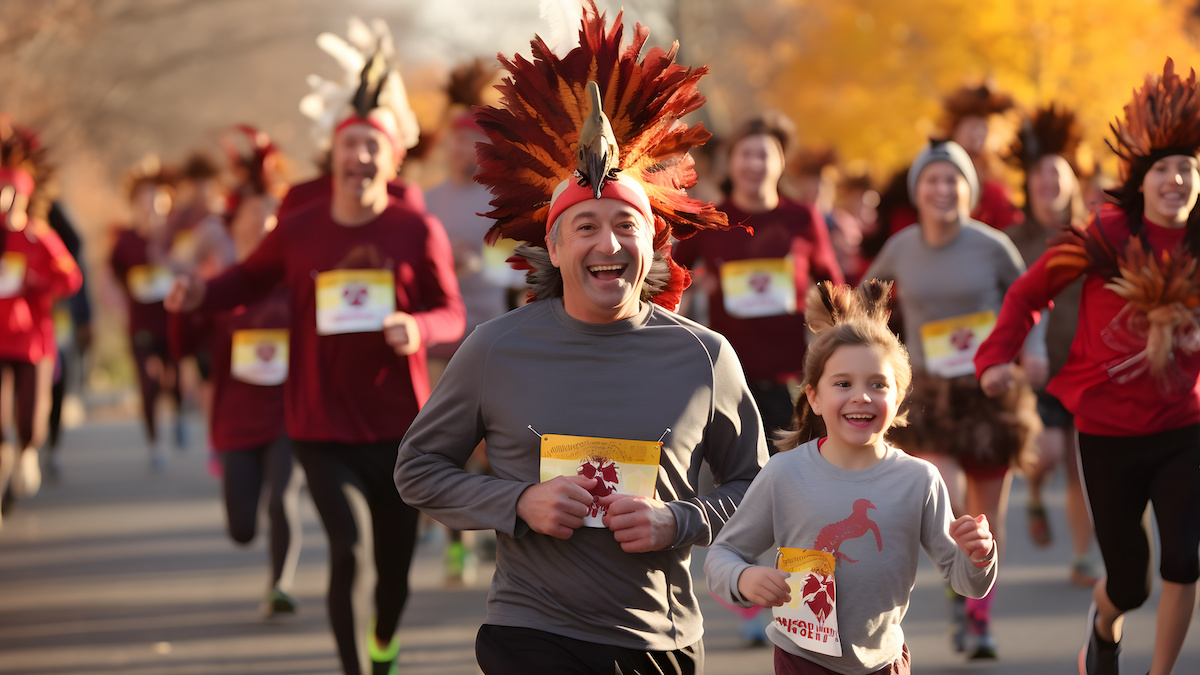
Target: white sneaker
[{"x": 27, "y": 475}]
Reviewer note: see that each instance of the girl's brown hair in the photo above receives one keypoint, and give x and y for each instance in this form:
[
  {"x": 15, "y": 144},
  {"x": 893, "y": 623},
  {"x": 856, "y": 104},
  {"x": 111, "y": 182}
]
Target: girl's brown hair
[{"x": 840, "y": 316}]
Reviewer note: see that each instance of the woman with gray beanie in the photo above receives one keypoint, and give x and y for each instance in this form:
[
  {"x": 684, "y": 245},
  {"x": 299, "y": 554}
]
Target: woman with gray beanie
[{"x": 951, "y": 274}]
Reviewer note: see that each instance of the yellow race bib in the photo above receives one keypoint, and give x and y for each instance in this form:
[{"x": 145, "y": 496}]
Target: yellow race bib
[
  {"x": 810, "y": 619},
  {"x": 623, "y": 466},
  {"x": 759, "y": 287},
  {"x": 950, "y": 344},
  {"x": 354, "y": 301},
  {"x": 12, "y": 274},
  {"x": 260, "y": 356},
  {"x": 149, "y": 284}
]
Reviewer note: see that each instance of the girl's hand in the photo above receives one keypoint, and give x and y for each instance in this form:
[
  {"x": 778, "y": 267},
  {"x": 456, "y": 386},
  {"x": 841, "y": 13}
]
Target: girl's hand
[
  {"x": 975, "y": 538},
  {"x": 764, "y": 586}
]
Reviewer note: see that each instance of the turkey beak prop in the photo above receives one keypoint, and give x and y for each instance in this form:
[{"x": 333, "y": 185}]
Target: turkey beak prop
[{"x": 596, "y": 156}]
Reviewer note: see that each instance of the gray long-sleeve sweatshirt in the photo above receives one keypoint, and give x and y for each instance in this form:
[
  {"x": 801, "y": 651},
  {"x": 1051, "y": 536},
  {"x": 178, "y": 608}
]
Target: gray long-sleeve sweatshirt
[
  {"x": 538, "y": 367},
  {"x": 800, "y": 500}
]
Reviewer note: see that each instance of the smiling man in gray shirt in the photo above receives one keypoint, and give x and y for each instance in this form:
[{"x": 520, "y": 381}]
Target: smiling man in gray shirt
[{"x": 595, "y": 358}]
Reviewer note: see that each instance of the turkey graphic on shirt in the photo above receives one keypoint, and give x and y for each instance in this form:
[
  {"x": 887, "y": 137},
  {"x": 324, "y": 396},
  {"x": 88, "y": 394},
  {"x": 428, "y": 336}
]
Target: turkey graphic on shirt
[{"x": 818, "y": 592}]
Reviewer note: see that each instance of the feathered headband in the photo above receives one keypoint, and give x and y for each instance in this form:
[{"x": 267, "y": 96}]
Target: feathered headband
[
  {"x": 978, "y": 101},
  {"x": 23, "y": 167},
  {"x": 256, "y": 156},
  {"x": 371, "y": 82},
  {"x": 553, "y": 126},
  {"x": 1162, "y": 119},
  {"x": 1053, "y": 130}
]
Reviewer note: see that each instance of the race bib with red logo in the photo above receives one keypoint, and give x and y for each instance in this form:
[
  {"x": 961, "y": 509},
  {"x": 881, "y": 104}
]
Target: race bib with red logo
[
  {"x": 260, "y": 356},
  {"x": 759, "y": 287},
  {"x": 354, "y": 301},
  {"x": 950, "y": 344},
  {"x": 622, "y": 466},
  {"x": 12, "y": 274},
  {"x": 810, "y": 619}
]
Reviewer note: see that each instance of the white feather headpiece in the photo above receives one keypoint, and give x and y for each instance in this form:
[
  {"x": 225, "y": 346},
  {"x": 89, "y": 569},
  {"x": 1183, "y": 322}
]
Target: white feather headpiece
[{"x": 368, "y": 57}]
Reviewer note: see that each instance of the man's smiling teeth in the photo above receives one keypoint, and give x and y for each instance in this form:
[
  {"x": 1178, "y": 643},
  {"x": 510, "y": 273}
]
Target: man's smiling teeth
[
  {"x": 863, "y": 416},
  {"x": 606, "y": 268}
]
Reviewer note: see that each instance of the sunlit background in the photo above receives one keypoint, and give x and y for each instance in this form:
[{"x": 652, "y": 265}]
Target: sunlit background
[{"x": 107, "y": 81}]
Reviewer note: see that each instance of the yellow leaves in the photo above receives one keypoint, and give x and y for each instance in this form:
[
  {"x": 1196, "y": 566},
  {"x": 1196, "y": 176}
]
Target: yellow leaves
[{"x": 867, "y": 76}]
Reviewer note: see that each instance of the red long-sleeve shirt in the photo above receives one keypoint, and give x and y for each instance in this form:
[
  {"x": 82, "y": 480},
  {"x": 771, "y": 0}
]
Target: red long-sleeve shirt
[
  {"x": 771, "y": 348},
  {"x": 35, "y": 270},
  {"x": 245, "y": 414},
  {"x": 351, "y": 387},
  {"x": 1101, "y": 406}
]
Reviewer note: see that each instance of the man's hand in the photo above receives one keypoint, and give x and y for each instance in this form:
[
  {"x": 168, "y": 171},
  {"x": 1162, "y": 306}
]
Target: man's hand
[
  {"x": 997, "y": 379},
  {"x": 640, "y": 524},
  {"x": 556, "y": 507},
  {"x": 1037, "y": 369},
  {"x": 974, "y": 537},
  {"x": 185, "y": 295},
  {"x": 764, "y": 586},
  {"x": 401, "y": 332}
]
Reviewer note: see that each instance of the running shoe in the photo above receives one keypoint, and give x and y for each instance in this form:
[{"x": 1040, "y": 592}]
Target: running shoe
[
  {"x": 385, "y": 660},
  {"x": 979, "y": 643},
  {"x": 158, "y": 459},
  {"x": 1084, "y": 571},
  {"x": 462, "y": 565},
  {"x": 27, "y": 475},
  {"x": 277, "y": 603},
  {"x": 1098, "y": 656}
]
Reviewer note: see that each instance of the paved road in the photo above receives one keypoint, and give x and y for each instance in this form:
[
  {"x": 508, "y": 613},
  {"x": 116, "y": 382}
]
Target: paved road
[{"x": 114, "y": 570}]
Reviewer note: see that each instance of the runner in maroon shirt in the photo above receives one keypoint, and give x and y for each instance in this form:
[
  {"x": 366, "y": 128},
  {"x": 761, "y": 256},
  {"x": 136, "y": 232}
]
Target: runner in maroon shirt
[
  {"x": 371, "y": 284},
  {"x": 145, "y": 279},
  {"x": 248, "y": 348},
  {"x": 756, "y": 278}
]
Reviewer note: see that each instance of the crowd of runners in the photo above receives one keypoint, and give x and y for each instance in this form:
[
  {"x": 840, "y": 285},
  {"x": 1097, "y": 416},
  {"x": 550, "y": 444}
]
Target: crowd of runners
[{"x": 813, "y": 371}]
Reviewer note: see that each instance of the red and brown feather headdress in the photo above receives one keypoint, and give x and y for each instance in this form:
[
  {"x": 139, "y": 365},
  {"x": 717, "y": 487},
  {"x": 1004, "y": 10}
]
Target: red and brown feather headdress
[
  {"x": 981, "y": 100},
  {"x": 1162, "y": 119},
  {"x": 1052, "y": 130},
  {"x": 545, "y": 105}
]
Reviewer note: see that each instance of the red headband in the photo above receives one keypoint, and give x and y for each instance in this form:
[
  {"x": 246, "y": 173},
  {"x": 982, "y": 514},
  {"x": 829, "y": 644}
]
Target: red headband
[
  {"x": 18, "y": 178},
  {"x": 623, "y": 189},
  {"x": 355, "y": 119}
]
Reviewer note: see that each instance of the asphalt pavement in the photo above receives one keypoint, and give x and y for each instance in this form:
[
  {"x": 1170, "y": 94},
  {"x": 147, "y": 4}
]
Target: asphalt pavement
[{"x": 116, "y": 569}]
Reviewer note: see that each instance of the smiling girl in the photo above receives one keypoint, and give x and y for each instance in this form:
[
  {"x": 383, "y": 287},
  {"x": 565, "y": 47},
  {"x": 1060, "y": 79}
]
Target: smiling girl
[
  {"x": 843, "y": 493},
  {"x": 1132, "y": 378}
]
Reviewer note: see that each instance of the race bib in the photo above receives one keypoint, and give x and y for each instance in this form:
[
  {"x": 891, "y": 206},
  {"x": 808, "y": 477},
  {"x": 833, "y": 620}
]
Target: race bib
[
  {"x": 149, "y": 284},
  {"x": 260, "y": 356},
  {"x": 810, "y": 619},
  {"x": 950, "y": 344},
  {"x": 64, "y": 333},
  {"x": 354, "y": 301},
  {"x": 623, "y": 467},
  {"x": 759, "y": 287},
  {"x": 496, "y": 269},
  {"x": 12, "y": 274},
  {"x": 183, "y": 247}
]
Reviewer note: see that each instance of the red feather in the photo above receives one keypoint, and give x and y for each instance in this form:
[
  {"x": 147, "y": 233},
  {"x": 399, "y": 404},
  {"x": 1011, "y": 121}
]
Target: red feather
[{"x": 533, "y": 134}]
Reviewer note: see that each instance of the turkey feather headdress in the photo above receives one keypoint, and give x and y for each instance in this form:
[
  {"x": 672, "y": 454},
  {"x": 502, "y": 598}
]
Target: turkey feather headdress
[
  {"x": 584, "y": 117},
  {"x": 1162, "y": 119},
  {"x": 370, "y": 83}
]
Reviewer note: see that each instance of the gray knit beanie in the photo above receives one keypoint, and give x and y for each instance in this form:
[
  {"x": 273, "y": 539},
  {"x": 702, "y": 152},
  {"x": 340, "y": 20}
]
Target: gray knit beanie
[{"x": 944, "y": 151}]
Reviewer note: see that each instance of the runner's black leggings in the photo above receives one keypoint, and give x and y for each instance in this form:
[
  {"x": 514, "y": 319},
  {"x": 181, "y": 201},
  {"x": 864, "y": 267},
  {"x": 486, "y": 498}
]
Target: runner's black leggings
[
  {"x": 246, "y": 473},
  {"x": 1122, "y": 474},
  {"x": 364, "y": 517},
  {"x": 146, "y": 346}
]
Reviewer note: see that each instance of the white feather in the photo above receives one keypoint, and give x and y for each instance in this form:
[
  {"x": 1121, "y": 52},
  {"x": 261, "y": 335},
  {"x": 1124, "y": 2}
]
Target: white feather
[
  {"x": 562, "y": 18},
  {"x": 350, "y": 59}
]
